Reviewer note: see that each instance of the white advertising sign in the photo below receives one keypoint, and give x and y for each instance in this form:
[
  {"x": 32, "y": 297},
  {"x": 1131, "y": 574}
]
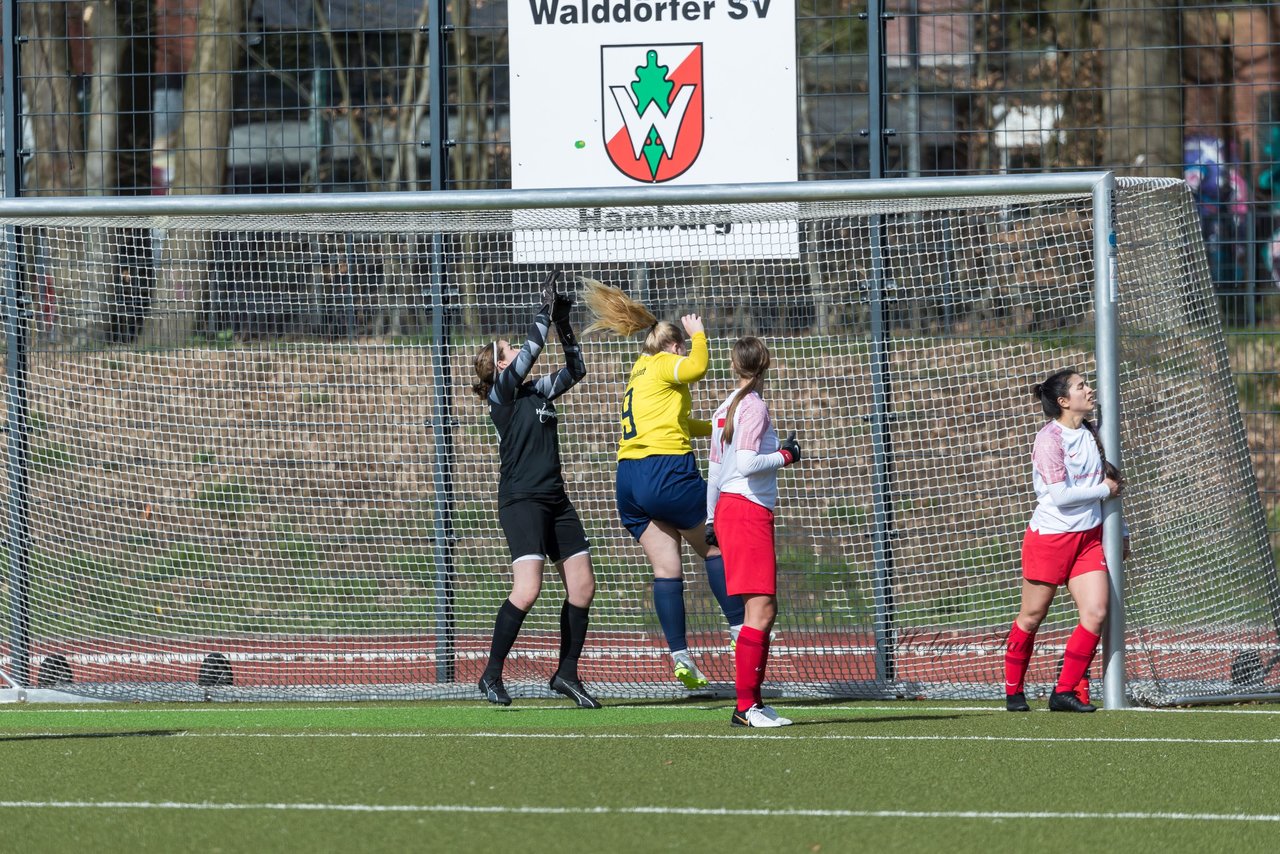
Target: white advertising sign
[{"x": 614, "y": 93}]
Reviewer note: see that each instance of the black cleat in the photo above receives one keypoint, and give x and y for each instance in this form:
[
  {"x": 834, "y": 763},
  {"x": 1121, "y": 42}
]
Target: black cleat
[
  {"x": 1016, "y": 702},
  {"x": 1067, "y": 701},
  {"x": 573, "y": 689},
  {"x": 494, "y": 691}
]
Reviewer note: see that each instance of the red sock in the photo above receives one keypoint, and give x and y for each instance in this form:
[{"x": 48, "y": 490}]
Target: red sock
[
  {"x": 1082, "y": 688},
  {"x": 1079, "y": 655},
  {"x": 764, "y": 665},
  {"x": 1017, "y": 657},
  {"x": 749, "y": 660}
]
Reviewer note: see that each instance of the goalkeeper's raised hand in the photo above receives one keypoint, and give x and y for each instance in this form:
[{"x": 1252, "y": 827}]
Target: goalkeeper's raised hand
[
  {"x": 560, "y": 308},
  {"x": 548, "y": 294},
  {"x": 790, "y": 449}
]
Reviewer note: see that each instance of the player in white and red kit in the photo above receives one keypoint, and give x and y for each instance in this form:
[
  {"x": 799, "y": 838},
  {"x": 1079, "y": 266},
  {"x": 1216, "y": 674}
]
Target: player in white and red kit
[
  {"x": 1063, "y": 541},
  {"x": 742, "y": 490}
]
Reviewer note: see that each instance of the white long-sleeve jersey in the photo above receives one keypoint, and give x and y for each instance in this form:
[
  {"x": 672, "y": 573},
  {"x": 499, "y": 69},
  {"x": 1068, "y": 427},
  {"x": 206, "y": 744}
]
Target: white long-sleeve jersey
[
  {"x": 1068, "y": 476},
  {"x": 749, "y": 465}
]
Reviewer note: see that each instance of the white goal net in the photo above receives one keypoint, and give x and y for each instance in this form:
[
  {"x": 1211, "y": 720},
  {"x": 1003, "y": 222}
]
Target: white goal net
[{"x": 243, "y": 460}]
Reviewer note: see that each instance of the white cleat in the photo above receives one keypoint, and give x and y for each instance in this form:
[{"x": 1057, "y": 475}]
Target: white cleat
[
  {"x": 771, "y": 712},
  {"x": 761, "y": 717}
]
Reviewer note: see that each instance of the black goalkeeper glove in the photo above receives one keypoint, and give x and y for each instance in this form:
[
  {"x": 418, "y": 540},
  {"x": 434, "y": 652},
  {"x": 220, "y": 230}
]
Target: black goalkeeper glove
[
  {"x": 548, "y": 293},
  {"x": 790, "y": 449},
  {"x": 711, "y": 535},
  {"x": 560, "y": 308}
]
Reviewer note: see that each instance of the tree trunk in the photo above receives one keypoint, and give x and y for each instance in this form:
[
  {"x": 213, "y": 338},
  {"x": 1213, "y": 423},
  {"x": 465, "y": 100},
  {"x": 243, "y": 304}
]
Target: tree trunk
[
  {"x": 104, "y": 102},
  {"x": 199, "y": 165},
  {"x": 100, "y": 149},
  {"x": 1076, "y": 74},
  {"x": 465, "y": 161},
  {"x": 1142, "y": 88},
  {"x": 57, "y": 165},
  {"x": 133, "y": 261}
]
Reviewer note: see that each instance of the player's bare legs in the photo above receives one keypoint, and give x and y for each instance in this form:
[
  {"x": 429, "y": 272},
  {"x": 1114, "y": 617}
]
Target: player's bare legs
[
  {"x": 579, "y": 580},
  {"x": 526, "y": 584},
  {"x": 1036, "y": 599},
  {"x": 661, "y": 542},
  {"x": 1091, "y": 592},
  {"x": 713, "y": 563},
  {"x": 1037, "y": 596},
  {"x": 697, "y": 539}
]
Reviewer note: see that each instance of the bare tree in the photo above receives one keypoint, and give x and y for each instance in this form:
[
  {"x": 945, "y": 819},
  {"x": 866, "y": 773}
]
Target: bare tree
[
  {"x": 1076, "y": 71},
  {"x": 470, "y": 163},
  {"x": 1142, "y": 87},
  {"x": 57, "y": 165},
  {"x": 118, "y": 158},
  {"x": 103, "y": 28},
  {"x": 199, "y": 164}
]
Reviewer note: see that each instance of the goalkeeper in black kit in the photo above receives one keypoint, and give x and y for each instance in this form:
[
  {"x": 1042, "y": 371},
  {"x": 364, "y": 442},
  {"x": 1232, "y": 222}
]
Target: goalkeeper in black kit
[{"x": 540, "y": 523}]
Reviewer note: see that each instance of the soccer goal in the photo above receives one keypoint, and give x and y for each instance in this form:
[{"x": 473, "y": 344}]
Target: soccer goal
[{"x": 243, "y": 460}]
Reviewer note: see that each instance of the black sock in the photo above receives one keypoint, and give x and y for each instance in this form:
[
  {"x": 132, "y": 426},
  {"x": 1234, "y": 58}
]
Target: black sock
[
  {"x": 573, "y": 632},
  {"x": 505, "y": 628}
]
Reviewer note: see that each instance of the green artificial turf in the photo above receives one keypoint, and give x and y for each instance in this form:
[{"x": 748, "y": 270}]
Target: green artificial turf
[{"x": 455, "y": 776}]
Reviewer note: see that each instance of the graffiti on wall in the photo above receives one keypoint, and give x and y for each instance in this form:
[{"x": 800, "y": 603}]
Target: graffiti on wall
[{"x": 1212, "y": 170}]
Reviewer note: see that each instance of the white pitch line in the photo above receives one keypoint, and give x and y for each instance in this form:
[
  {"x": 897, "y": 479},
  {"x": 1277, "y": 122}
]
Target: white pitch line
[
  {"x": 986, "y": 815},
  {"x": 599, "y": 736},
  {"x": 426, "y": 706}
]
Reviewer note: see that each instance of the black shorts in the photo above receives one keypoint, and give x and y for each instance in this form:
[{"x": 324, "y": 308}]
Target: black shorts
[{"x": 542, "y": 526}]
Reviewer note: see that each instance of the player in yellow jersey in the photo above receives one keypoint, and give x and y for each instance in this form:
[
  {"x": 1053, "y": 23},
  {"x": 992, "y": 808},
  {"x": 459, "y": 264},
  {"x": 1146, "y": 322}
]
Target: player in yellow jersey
[{"x": 660, "y": 491}]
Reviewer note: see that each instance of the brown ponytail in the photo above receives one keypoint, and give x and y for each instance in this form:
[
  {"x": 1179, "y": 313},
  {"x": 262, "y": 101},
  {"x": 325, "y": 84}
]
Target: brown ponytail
[
  {"x": 1108, "y": 470},
  {"x": 618, "y": 313},
  {"x": 486, "y": 368},
  {"x": 750, "y": 359}
]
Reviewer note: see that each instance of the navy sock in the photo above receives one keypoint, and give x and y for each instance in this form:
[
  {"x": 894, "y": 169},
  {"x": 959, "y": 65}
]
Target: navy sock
[
  {"x": 731, "y": 606},
  {"x": 505, "y": 628},
  {"x": 668, "y": 601}
]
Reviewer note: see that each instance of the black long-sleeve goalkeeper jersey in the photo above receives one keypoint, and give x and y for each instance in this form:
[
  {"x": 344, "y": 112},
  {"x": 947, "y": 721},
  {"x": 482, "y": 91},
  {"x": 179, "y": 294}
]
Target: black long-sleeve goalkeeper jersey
[{"x": 525, "y": 418}]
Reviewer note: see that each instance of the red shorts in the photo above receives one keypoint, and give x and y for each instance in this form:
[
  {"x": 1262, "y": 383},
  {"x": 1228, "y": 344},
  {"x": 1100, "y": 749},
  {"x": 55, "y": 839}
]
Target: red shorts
[
  {"x": 744, "y": 530},
  {"x": 1057, "y": 558}
]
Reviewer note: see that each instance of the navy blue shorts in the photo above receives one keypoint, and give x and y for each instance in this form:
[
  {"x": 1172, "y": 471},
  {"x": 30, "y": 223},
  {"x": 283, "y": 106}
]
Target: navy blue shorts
[{"x": 666, "y": 488}]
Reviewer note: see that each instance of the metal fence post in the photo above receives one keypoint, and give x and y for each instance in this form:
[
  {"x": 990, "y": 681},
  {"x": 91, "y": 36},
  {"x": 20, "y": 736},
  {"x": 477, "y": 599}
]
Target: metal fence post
[
  {"x": 16, "y": 311},
  {"x": 438, "y": 81},
  {"x": 881, "y": 388},
  {"x": 442, "y": 423}
]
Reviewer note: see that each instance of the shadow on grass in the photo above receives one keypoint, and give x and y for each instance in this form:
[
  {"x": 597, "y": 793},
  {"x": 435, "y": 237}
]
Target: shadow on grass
[
  {"x": 701, "y": 698},
  {"x": 818, "y": 702},
  {"x": 58, "y": 736},
  {"x": 884, "y": 720}
]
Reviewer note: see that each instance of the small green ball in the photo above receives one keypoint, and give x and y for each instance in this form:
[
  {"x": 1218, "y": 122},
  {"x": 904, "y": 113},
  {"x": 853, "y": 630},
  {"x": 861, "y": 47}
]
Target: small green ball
[{"x": 580, "y": 144}]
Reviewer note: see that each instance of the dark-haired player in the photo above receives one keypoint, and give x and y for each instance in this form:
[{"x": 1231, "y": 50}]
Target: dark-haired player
[{"x": 1063, "y": 542}]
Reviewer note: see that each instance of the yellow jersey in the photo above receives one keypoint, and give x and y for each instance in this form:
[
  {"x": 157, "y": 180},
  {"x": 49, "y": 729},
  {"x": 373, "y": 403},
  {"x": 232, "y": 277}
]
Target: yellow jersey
[{"x": 656, "y": 404}]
